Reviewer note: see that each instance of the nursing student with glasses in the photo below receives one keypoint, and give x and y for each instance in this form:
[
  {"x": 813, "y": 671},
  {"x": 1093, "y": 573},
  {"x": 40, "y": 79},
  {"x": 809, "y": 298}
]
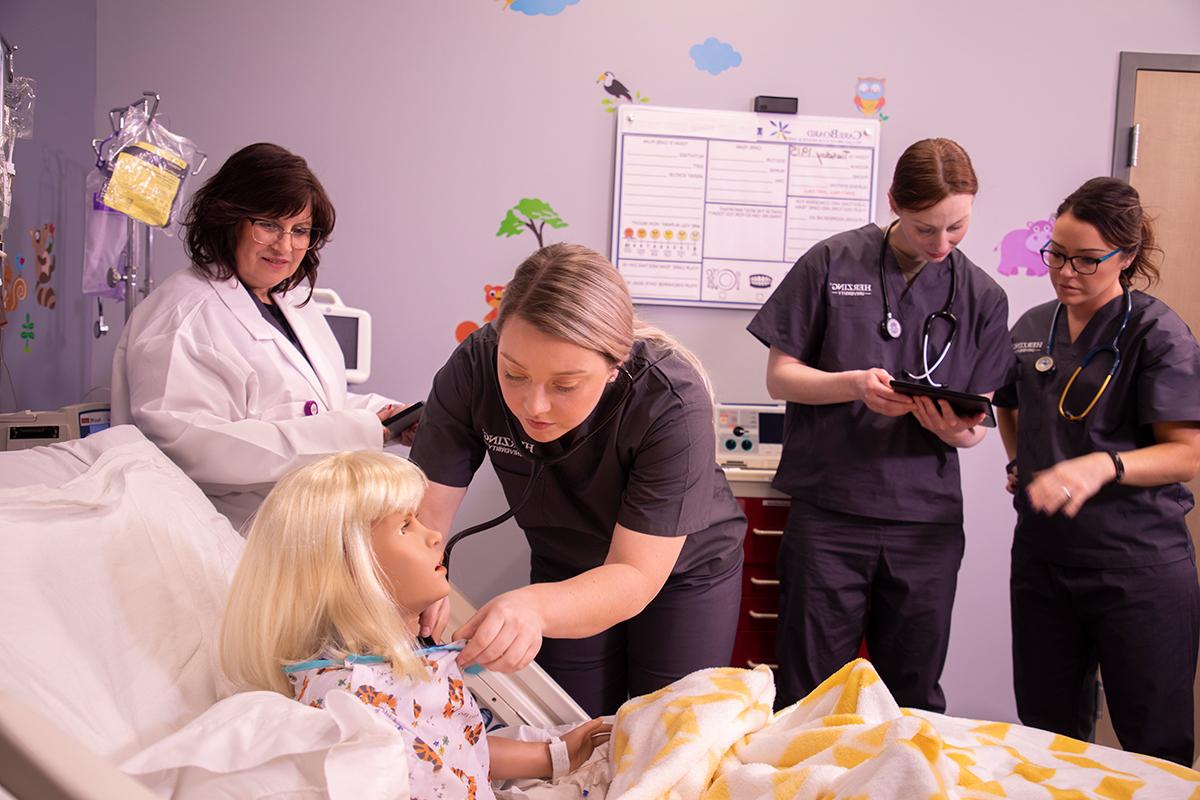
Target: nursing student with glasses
[
  {"x": 874, "y": 537},
  {"x": 226, "y": 366},
  {"x": 1102, "y": 421}
]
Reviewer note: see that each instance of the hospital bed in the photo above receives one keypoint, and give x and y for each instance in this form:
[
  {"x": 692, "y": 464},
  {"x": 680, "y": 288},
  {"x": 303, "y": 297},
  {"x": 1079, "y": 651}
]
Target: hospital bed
[
  {"x": 113, "y": 573},
  {"x": 112, "y": 583}
]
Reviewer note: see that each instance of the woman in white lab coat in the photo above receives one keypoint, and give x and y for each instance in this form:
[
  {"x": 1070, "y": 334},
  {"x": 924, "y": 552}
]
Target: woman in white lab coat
[{"x": 226, "y": 366}]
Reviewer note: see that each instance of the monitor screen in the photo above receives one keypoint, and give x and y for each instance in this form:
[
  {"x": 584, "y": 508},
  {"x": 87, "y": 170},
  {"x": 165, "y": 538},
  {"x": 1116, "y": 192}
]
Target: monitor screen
[
  {"x": 93, "y": 421},
  {"x": 345, "y": 330},
  {"x": 770, "y": 427}
]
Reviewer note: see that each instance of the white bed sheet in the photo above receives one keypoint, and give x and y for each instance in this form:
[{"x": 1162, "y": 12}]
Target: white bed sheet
[{"x": 112, "y": 583}]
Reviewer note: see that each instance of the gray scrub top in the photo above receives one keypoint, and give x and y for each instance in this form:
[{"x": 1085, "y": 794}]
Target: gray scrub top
[
  {"x": 827, "y": 313},
  {"x": 652, "y": 468},
  {"x": 1158, "y": 381}
]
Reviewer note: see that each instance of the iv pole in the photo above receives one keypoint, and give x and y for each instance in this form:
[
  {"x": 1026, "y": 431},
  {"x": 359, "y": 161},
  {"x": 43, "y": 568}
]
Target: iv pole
[{"x": 140, "y": 236}]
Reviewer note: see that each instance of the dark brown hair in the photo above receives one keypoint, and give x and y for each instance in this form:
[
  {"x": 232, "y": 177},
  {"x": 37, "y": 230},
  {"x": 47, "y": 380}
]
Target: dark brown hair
[
  {"x": 260, "y": 180},
  {"x": 1114, "y": 209},
  {"x": 929, "y": 171}
]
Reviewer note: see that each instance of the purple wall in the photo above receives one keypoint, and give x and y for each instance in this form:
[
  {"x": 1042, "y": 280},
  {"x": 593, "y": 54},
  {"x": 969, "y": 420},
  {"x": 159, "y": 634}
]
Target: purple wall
[
  {"x": 57, "y": 48},
  {"x": 427, "y": 120}
]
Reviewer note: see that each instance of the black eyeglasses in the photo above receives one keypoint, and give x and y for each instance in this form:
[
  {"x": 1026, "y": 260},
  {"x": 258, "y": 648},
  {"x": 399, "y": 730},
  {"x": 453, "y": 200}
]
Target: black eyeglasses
[
  {"x": 265, "y": 231},
  {"x": 1082, "y": 265}
]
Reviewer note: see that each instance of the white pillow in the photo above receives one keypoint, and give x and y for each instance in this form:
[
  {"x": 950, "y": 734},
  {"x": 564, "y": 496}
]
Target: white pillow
[
  {"x": 113, "y": 580},
  {"x": 264, "y": 745}
]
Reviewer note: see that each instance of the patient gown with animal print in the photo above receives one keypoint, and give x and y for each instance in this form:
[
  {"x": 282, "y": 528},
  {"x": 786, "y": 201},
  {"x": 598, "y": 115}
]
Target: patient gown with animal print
[{"x": 438, "y": 718}]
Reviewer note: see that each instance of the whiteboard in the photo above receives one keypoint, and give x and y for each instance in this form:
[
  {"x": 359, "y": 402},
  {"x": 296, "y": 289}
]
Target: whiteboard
[{"x": 712, "y": 208}]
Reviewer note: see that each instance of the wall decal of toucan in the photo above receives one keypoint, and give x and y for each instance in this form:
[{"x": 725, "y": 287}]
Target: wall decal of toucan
[{"x": 618, "y": 91}]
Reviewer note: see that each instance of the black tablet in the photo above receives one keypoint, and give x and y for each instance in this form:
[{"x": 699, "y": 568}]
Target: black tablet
[{"x": 964, "y": 404}]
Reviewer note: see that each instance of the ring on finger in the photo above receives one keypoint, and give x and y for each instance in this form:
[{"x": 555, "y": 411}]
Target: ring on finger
[{"x": 1067, "y": 492}]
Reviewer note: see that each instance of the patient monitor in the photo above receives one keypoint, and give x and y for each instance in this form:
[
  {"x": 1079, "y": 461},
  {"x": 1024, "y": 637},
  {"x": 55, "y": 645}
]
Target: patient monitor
[
  {"x": 352, "y": 329},
  {"x": 23, "y": 429},
  {"x": 749, "y": 436}
]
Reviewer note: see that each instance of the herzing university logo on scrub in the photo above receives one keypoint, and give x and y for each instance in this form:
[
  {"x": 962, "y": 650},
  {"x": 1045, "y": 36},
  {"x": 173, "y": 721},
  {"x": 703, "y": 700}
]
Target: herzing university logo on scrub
[
  {"x": 503, "y": 444},
  {"x": 850, "y": 289},
  {"x": 1021, "y": 348}
]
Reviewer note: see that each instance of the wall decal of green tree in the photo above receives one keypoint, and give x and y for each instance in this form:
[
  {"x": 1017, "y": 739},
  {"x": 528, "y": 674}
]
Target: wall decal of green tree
[{"x": 533, "y": 214}]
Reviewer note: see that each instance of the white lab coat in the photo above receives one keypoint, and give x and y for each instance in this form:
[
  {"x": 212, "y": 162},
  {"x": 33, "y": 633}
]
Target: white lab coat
[{"x": 222, "y": 392}]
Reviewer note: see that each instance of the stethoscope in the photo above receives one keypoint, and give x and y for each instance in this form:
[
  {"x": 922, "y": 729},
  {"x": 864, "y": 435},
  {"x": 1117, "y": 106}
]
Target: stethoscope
[
  {"x": 891, "y": 328},
  {"x": 1045, "y": 364},
  {"x": 540, "y": 462}
]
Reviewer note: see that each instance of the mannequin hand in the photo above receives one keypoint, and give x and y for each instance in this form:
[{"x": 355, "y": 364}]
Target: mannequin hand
[
  {"x": 1068, "y": 484},
  {"x": 875, "y": 390},
  {"x": 580, "y": 742},
  {"x": 433, "y": 619},
  {"x": 937, "y": 417},
  {"x": 505, "y": 633}
]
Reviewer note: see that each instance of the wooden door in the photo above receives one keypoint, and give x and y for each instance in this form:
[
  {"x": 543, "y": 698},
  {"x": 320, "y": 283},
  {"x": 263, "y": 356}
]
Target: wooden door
[{"x": 1166, "y": 111}]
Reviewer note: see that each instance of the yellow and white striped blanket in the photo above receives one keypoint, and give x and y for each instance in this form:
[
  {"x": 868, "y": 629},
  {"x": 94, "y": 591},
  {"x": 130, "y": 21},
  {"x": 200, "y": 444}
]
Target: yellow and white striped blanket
[{"x": 712, "y": 736}]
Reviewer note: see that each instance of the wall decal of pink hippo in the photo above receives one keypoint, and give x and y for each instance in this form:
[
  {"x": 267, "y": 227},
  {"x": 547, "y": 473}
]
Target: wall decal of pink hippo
[{"x": 1020, "y": 248}]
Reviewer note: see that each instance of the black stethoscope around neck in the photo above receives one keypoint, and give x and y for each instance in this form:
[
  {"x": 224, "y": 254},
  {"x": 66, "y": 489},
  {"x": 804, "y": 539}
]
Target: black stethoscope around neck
[
  {"x": 891, "y": 328},
  {"x": 1045, "y": 364},
  {"x": 540, "y": 462}
]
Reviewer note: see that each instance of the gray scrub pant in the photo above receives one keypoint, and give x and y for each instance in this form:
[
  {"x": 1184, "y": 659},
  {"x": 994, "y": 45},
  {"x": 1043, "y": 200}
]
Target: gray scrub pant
[
  {"x": 689, "y": 625},
  {"x": 845, "y": 578},
  {"x": 1139, "y": 625}
]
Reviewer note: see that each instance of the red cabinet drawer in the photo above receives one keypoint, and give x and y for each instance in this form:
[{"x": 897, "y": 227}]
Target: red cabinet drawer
[
  {"x": 758, "y": 580},
  {"x": 759, "y": 613},
  {"x": 765, "y": 520}
]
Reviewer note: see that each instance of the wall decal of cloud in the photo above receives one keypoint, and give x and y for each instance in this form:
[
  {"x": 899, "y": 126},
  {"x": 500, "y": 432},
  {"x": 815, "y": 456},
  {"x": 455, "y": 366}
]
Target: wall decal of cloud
[
  {"x": 535, "y": 7},
  {"x": 715, "y": 56}
]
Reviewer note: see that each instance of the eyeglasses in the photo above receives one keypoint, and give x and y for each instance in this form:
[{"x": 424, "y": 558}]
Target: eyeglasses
[
  {"x": 1082, "y": 265},
  {"x": 264, "y": 231}
]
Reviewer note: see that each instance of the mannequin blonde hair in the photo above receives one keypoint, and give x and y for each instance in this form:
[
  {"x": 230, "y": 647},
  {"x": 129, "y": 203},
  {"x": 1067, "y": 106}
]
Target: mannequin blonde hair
[{"x": 309, "y": 585}]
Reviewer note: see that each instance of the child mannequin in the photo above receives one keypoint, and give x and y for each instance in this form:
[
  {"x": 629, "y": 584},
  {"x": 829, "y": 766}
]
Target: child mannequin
[{"x": 337, "y": 550}]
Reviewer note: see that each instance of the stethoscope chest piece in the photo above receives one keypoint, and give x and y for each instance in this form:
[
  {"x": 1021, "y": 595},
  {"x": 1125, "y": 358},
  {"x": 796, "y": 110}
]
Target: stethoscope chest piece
[
  {"x": 891, "y": 328},
  {"x": 1044, "y": 364}
]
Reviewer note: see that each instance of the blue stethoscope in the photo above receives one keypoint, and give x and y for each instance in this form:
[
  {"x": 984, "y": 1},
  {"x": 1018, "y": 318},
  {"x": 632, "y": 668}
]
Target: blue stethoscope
[
  {"x": 1045, "y": 364},
  {"x": 891, "y": 328}
]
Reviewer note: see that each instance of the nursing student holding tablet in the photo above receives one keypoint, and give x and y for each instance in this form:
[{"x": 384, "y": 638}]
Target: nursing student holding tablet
[
  {"x": 874, "y": 537},
  {"x": 1103, "y": 423}
]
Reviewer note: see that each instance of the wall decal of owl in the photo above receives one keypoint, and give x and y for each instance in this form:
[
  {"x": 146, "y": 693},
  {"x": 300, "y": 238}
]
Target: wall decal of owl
[{"x": 868, "y": 95}]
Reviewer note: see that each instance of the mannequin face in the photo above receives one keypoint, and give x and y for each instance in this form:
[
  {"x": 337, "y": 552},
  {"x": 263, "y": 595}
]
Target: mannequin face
[
  {"x": 930, "y": 234},
  {"x": 261, "y": 266},
  {"x": 410, "y": 556},
  {"x": 549, "y": 384}
]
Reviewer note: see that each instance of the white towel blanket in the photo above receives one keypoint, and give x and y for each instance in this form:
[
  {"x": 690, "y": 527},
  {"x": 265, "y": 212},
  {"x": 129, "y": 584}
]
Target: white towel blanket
[{"x": 711, "y": 736}]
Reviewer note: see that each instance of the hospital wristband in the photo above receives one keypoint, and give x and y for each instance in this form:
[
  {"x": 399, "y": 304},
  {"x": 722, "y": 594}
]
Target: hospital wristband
[
  {"x": 560, "y": 760},
  {"x": 1118, "y": 463}
]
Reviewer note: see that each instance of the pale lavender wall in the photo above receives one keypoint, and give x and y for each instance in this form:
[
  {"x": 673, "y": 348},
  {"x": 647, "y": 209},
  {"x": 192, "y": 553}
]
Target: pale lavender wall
[
  {"x": 427, "y": 120},
  {"x": 57, "y": 48}
]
